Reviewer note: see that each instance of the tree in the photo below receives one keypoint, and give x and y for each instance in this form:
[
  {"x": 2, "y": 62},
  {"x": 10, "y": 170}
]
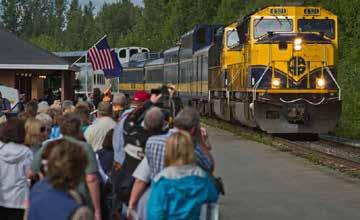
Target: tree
[
  {"x": 90, "y": 30},
  {"x": 117, "y": 20},
  {"x": 74, "y": 29},
  {"x": 11, "y": 15},
  {"x": 59, "y": 18}
]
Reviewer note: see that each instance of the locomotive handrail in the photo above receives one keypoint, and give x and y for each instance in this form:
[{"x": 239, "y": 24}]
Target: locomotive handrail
[
  {"x": 333, "y": 78},
  {"x": 300, "y": 99},
  {"x": 258, "y": 82}
]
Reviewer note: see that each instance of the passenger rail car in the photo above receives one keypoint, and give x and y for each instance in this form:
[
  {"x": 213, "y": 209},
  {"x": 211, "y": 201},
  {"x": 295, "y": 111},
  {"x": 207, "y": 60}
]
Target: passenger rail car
[
  {"x": 133, "y": 78},
  {"x": 171, "y": 65},
  {"x": 154, "y": 74},
  {"x": 194, "y": 51}
]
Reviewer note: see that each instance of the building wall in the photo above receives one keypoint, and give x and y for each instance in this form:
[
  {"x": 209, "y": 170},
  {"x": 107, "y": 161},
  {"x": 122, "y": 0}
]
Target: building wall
[
  {"x": 7, "y": 78},
  {"x": 37, "y": 87}
]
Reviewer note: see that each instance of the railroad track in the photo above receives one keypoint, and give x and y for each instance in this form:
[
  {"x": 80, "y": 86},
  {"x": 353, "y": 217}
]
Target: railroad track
[{"x": 338, "y": 153}]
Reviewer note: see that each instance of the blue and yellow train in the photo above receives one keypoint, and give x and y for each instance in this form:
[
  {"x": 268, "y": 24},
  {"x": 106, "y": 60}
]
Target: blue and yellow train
[{"x": 274, "y": 69}]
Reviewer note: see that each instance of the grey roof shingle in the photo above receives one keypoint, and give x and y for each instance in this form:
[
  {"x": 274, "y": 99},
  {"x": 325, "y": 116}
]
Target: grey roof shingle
[{"x": 16, "y": 53}]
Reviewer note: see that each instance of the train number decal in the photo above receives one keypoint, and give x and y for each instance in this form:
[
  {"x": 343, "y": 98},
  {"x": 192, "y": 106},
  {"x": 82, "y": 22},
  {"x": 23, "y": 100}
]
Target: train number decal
[
  {"x": 312, "y": 11},
  {"x": 278, "y": 11}
]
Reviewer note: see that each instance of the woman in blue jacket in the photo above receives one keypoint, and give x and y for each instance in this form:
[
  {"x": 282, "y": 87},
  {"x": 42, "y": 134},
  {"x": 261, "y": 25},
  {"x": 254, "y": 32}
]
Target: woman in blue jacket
[{"x": 179, "y": 191}]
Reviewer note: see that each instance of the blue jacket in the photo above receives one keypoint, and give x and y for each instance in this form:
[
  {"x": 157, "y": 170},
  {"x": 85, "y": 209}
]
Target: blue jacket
[
  {"x": 179, "y": 193},
  {"x": 47, "y": 202}
]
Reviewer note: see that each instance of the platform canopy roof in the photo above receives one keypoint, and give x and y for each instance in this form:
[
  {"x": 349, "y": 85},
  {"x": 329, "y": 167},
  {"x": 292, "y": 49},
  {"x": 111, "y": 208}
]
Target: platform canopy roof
[{"x": 16, "y": 53}]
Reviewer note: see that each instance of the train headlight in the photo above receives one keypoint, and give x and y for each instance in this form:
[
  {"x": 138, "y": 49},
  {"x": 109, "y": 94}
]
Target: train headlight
[
  {"x": 320, "y": 83},
  {"x": 297, "y": 44},
  {"x": 275, "y": 83}
]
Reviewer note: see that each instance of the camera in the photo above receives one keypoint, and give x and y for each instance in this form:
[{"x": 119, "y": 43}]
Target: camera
[{"x": 164, "y": 101}]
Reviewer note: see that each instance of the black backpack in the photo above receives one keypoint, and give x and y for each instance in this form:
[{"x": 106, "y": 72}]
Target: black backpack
[{"x": 134, "y": 146}]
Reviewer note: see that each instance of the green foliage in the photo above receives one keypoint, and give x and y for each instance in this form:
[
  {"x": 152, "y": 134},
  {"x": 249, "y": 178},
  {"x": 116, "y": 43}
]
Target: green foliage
[
  {"x": 74, "y": 30},
  {"x": 117, "y": 19},
  {"x": 46, "y": 42},
  {"x": 10, "y": 16}
]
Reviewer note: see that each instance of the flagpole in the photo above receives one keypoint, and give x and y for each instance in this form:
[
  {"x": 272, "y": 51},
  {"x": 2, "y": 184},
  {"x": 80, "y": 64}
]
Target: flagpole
[
  {"x": 78, "y": 59},
  {"x": 98, "y": 41},
  {"x": 89, "y": 49}
]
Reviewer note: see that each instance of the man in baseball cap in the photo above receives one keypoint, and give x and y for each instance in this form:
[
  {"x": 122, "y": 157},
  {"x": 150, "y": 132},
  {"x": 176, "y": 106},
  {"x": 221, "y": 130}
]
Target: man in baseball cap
[{"x": 141, "y": 96}]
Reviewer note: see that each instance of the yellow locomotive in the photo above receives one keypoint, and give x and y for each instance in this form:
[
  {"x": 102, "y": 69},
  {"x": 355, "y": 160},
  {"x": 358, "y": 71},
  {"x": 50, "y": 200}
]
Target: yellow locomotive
[
  {"x": 273, "y": 69},
  {"x": 277, "y": 71}
]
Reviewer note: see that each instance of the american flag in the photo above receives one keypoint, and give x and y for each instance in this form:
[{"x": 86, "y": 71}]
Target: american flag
[
  {"x": 100, "y": 56},
  {"x": 103, "y": 58}
]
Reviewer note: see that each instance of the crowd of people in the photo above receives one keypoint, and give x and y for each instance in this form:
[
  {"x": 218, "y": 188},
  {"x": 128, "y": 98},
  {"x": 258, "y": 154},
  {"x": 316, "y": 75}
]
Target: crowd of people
[{"x": 112, "y": 157}]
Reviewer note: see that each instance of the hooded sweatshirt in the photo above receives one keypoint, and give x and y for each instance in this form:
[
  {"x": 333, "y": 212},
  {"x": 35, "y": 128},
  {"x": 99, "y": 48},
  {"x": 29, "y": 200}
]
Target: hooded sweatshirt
[
  {"x": 179, "y": 193},
  {"x": 15, "y": 162}
]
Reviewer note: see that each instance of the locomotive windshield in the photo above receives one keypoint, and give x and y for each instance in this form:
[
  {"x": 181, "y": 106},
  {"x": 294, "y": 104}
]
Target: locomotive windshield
[
  {"x": 325, "y": 26},
  {"x": 263, "y": 26}
]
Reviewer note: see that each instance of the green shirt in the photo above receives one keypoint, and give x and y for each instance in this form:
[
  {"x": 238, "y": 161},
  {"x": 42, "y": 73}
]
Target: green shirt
[{"x": 90, "y": 168}]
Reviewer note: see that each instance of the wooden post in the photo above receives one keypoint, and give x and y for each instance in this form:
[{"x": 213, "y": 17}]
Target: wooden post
[{"x": 67, "y": 82}]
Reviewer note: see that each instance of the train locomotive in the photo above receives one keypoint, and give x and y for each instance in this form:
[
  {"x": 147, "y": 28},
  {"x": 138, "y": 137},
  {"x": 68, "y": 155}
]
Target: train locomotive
[{"x": 274, "y": 69}]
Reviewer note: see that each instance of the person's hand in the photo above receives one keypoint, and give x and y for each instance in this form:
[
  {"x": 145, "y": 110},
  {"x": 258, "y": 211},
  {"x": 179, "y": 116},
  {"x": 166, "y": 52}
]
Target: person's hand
[
  {"x": 204, "y": 138},
  {"x": 204, "y": 133},
  {"x": 97, "y": 215},
  {"x": 155, "y": 98},
  {"x": 130, "y": 214}
]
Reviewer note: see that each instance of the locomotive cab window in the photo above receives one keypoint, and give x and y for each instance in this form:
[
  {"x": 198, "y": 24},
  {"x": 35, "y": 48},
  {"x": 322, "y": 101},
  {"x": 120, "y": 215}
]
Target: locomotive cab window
[
  {"x": 232, "y": 39},
  {"x": 323, "y": 26},
  {"x": 200, "y": 36},
  {"x": 264, "y": 26}
]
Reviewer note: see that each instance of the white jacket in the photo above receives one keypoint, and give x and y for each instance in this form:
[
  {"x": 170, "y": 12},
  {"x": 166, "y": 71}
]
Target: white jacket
[{"x": 15, "y": 162}]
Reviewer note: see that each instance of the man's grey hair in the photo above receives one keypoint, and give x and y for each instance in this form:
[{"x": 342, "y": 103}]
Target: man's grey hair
[
  {"x": 154, "y": 119},
  {"x": 45, "y": 119},
  {"x": 187, "y": 119},
  {"x": 120, "y": 99},
  {"x": 67, "y": 105},
  {"x": 43, "y": 107}
]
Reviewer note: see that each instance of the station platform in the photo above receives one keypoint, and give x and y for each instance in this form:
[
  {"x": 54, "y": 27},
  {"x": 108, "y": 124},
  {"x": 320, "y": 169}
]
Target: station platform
[{"x": 264, "y": 183}]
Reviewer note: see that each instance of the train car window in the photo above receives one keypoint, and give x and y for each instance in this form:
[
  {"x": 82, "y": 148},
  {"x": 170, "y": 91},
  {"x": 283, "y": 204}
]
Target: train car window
[
  {"x": 263, "y": 26},
  {"x": 201, "y": 36},
  {"x": 133, "y": 51},
  {"x": 122, "y": 53},
  {"x": 325, "y": 26},
  {"x": 232, "y": 39}
]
